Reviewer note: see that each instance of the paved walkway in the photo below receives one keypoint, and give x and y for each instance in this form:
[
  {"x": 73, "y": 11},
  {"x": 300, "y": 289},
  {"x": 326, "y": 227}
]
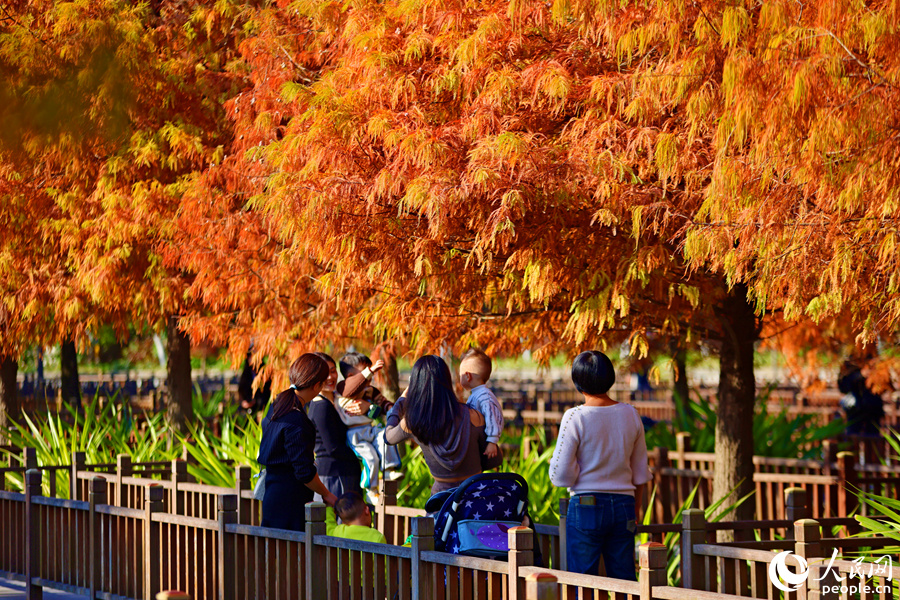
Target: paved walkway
[{"x": 15, "y": 589}]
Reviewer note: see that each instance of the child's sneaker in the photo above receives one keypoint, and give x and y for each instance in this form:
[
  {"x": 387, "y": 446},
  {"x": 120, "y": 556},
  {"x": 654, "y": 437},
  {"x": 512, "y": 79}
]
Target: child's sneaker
[{"x": 373, "y": 497}]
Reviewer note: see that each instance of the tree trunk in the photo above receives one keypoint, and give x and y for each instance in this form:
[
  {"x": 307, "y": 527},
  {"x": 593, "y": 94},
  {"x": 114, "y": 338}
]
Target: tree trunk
[
  {"x": 9, "y": 394},
  {"x": 178, "y": 370},
  {"x": 452, "y": 364},
  {"x": 733, "y": 477},
  {"x": 680, "y": 390},
  {"x": 388, "y": 379},
  {"x": 70, "y": 386}
]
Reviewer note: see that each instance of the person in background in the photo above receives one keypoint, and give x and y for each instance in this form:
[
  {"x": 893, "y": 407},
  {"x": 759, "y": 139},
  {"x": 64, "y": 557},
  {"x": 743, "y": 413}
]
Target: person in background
[
  {"x": 451, "y": 434},
  {"x": 250, "y": 400},
  {"x": 601, "y": 457},
  {"x": 863, "y": 407},
  {"x": 358, "y": 370},
  {"x": 364, "y": 435},
  {"x": 286, "y": 449},
  {"x": 337, "y": 464},
  {"x": 474, "y": 372},
  {"x": 356, "y": 520}
]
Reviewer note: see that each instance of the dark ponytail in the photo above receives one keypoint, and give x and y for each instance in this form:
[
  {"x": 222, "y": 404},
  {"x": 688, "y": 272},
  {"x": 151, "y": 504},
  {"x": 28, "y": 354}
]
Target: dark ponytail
[{"x": 305, "y": 372}]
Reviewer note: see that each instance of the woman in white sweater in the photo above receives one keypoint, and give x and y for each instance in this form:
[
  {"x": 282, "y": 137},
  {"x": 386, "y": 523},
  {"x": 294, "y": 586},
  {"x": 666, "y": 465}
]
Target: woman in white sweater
[{"x": 601, "y": 457}]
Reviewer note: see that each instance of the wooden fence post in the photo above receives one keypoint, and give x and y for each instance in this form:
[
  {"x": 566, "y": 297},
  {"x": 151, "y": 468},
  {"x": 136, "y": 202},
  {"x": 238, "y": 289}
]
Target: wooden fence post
[
  {"x": 541, "y": 586},
  {"x": 662, "y": 499},
  {"x": 123, "y": 469},
  {"x": 829, "y": 456},
  {"x": 795, "y": 507},
  {"x": 422, "y": 540},
  {"x": 653, "y": 561},
  {"x": 242, "y": 483},
  {"x": 682, "y": 446},
  {"x": 172, "y": 595},
  {"x": 807, "y": 545},
  {"x": 187, "y": 457},
  {"x": 97, "y": 497},
  {"x": 848, "y": 484},
  {"x": 563, "y": 516},
  {"x": 179, "y": 475},
  {"x": 807, "y": 536},
  {"x": 521, "y": 554},
  {"x": 154, "y": 503},
  {"x": 227, "y": 505},
  {"x": 29, "y": 458},
  {"x": 693, "y": 532},
  {"x": 33, "y": 479},
  {"x": 315, "y": 555},
  {"x": 79, "y": 461},
  {"x": 386, "y": 522}
]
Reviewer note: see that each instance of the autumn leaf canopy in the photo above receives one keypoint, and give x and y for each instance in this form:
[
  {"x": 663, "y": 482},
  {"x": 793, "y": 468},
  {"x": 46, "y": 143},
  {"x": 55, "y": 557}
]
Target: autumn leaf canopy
[{"x": 508, "y": 174}]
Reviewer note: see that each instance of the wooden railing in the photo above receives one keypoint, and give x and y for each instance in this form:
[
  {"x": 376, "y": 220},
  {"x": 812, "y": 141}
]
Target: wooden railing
[
  {"x": 832, "y": 484},
  {"x": 545, "y": 405},
  {"x": 742, "y": 569},
  {"x": 132, "y": 527},
  {"x": 103, "y": 551}
]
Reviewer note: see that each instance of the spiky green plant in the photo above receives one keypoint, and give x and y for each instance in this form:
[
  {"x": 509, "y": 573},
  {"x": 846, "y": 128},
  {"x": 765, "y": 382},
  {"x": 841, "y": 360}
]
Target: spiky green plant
[
  {"x": 102, "y": 432},
  {"x": 884, "y": 519},
  {"x": 215, "y": 457}
]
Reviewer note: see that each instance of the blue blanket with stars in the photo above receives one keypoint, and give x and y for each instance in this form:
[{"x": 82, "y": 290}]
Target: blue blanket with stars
[{"x": 475, "y": 517}]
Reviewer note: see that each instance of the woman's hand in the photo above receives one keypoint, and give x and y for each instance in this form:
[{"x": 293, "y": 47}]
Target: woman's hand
[
  {"x": 357, "y": 408},
  {"x": 329, "y": 499},
  {"x": 379, "y": 365}
]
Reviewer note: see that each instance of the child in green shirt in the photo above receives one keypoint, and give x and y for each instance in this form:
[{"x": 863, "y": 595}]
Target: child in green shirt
[{"x": 356, "y": 520}]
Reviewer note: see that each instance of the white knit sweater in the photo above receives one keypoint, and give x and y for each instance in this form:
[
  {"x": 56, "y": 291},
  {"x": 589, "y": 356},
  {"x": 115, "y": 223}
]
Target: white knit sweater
[{"x": 600, "y": 449}]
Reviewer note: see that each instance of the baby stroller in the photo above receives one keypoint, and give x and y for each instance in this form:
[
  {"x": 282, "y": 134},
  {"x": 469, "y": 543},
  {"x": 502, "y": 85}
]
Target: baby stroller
[{"x": 474, "y": 518}]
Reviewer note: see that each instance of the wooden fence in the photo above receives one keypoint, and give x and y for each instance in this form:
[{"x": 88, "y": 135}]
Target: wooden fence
[
  {"x": 544, "y": 405},
  {"x": 742, "y": 568},
  {"x": 103, "y": 551},
  {"x": 181, "y": 504},
  {"x": 831, "y": 486}
]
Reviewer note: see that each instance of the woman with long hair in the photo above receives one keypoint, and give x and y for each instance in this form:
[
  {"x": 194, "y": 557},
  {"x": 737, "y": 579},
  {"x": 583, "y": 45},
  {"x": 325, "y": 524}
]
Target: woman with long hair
[
  {"x": 338, "y": 466},
  {"x": 450, "y": 433},
  {"x": 286, "y": 448}
]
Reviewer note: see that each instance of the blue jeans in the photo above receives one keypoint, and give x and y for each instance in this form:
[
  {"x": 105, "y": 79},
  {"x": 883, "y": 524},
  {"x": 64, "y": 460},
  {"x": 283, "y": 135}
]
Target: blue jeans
[{"x": 605, "y": 529}]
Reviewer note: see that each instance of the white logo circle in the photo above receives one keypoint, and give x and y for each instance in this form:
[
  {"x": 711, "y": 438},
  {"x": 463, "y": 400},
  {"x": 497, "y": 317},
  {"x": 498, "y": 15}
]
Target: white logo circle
[{"x": 779, "y": 571}]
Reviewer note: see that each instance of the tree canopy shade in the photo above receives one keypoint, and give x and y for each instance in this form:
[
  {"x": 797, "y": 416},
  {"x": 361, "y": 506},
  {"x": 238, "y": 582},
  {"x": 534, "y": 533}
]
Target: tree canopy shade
[
  {"x": 450, "y": 196},
  {"x": 107, "y": 107}
]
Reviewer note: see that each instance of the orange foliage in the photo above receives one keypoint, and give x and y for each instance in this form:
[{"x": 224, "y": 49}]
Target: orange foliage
[
  {"x": 106, "y": 108},
  {"x": 480, "y": 173},
  {"x": 508, "y": 174}
]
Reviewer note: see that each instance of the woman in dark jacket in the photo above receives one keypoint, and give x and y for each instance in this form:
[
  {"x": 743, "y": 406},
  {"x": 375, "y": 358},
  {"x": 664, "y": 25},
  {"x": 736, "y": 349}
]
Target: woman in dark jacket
[
  {"x": 338, "y": 466},
  {"x": 286, "y": 448},
  {"x": 450, "y": 433}
]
